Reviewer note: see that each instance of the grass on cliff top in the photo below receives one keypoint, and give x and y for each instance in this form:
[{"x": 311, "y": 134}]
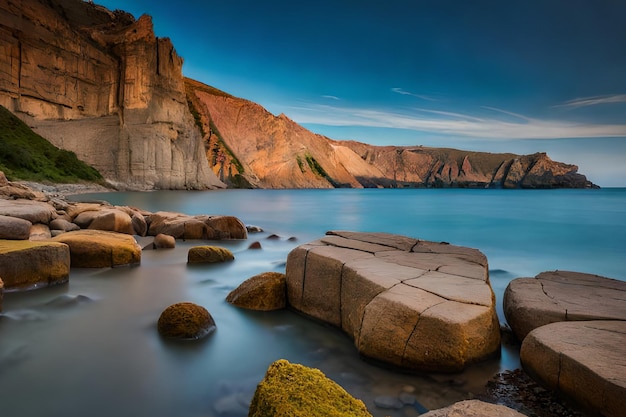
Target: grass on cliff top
[{"x": 24, "y": 155}]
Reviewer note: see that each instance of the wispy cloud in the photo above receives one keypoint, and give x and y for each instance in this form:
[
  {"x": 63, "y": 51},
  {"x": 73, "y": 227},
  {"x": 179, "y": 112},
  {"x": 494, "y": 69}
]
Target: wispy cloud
[
  {"x": 331, "y": 97},
  {"x": 594, "y": 101},
  {"x": 408, "y": 93},
  {"x": 455, "y": 124}
]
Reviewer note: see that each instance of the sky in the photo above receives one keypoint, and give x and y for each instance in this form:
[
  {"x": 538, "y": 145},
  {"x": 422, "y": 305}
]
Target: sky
[{"x": 519, "y": 76}]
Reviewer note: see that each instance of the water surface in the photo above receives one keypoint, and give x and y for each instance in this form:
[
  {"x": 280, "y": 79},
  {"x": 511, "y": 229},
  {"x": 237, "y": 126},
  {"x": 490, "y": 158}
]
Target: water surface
[{"x": 91, "y": 346}]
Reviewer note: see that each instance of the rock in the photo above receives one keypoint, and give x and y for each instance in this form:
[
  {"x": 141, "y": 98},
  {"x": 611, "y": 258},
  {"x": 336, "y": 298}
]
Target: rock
[
  {"x": 185, "y": 321},
  {"x": 227, "y": 227},
  {"x": 39, "y": 232},
  {"x": 253, "y": 229},
  {"x": 33, "y": 211},
  {"x": 208, "y": 254},
  {"x": 473, "y": 408},
  {"x": 298, "y": 391},
  {"x": 413, "y": 304},
  {"x": 183, "y": 226},
  {"x": 100, "y": 249},
  {"x": 266, "y": 292},
  {"x": 63, "y": 225},
  {"x": 1, "y": 282},
  {"x": 26, "y": 264},
  {"x": 255, "y": 245},
  {"x": 14, "y": 228},
  {"x": 139, "y": 224},
  {"x": 555, "y": 296},
  {"x": 584, "y": 360},
  {"x": 162, "y": 241},
  {"x": 112, "y": 220}
]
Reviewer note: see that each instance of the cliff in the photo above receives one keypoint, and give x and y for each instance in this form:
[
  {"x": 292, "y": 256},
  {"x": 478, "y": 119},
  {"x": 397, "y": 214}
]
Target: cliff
[
  {"x": 99, "y": 83},
  {"x": 248, "y": 146},
  {"x": 102, "y": 85}
]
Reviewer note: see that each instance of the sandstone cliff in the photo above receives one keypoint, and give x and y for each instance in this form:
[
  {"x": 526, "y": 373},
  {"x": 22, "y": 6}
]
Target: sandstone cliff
[
  {"x": 248, "y": 146},
  {"x": 101, "y": 84}
]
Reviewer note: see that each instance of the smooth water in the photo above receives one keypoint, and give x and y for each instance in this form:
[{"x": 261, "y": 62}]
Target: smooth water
[{"x": 91, "y": 346}]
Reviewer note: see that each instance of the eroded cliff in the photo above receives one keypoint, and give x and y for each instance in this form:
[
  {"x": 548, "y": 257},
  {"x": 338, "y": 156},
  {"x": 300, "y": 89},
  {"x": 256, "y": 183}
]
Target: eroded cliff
[
  {"x": 247, "y": 145},
  {"x": 101, "y": 84}
]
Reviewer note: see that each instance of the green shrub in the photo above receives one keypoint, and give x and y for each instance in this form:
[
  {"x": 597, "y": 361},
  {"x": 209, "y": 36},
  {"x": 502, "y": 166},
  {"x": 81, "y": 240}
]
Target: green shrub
[{"x": 24, "y": 155}]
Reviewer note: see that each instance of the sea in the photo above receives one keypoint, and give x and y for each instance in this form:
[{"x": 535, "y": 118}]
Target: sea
[{"x": 90, "y": 347}]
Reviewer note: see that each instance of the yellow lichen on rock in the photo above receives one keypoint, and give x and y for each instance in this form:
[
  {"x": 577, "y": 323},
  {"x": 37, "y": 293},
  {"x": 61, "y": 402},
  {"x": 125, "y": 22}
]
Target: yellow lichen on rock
[
  {"x": 298, "y": 391},
  {"x": 208, "y": 254},
  {"x": 185, "y": 321}
]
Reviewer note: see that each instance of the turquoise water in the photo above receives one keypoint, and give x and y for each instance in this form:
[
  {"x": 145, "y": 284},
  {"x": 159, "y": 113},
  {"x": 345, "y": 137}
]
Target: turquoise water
[{"x": 91, "y": 346}]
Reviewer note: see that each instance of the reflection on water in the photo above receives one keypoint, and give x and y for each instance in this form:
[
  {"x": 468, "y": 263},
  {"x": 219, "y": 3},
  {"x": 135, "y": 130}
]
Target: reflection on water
[{"x": 91, "y": 346}]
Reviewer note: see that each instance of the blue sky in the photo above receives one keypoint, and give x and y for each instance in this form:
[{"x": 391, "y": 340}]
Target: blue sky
[{"x": 500, "y": 76}]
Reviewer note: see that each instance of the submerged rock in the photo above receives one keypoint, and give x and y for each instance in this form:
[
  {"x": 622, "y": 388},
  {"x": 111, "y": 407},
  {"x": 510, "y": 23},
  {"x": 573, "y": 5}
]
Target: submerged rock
[
  {"x": 293, "y": 390},
  {"x": 185, "y": 321},
  {"x": 266, "y": 291},
  {"x": 208, "y": 254}
]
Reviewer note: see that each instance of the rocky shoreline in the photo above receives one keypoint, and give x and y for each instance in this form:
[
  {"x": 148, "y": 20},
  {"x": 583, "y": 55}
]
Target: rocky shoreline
[{"x": 514, "y": 389}]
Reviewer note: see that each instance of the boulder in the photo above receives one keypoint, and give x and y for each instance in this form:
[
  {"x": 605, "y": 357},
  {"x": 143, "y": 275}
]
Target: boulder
[
  {"x": 139, "y": 223},
  {"x": 227, "y": 227},
  {"x": 183, "y": 226},
  {"x": 414, "y": 304},
  {"x": 14, "y": 228},
  {"x": 162, "y": 241},
  {"x": 63, "y": 225},
  {"x": 555, "y": 296},
  {"x": 473, "y": 408},
  {"x": 584, "y": 360},
  {"x": 185, "y": 321},
  {"x": 112, "y": 220},
  {"x": 266, "y": 291},
  {"x": 33, "y": 211},
  {"x": 100, "y": 249},
  {"x": 40, "y": 232},
  {"x": 26, "y": 264},
  {"x": 208, "y": 254},
  {"x": 298, "y": 391}
]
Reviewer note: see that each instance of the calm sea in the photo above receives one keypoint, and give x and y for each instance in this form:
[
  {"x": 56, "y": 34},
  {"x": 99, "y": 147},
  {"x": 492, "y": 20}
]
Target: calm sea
[{"x": 91, "y": 347}]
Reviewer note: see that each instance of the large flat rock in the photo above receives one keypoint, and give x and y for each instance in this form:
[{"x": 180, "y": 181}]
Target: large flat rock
[
  {"x": 585, "y": 360},
  {"x": 27, "y": 264},
  {"x": 556, "y": 296},
  {"x": 413, "y": 304},
  {"x": 100, "y": 249}
]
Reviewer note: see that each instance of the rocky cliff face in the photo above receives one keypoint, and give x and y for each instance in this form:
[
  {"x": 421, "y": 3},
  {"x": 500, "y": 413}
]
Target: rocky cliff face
[
  {"x": 100, "y": 84},
  {"x": 247, "y": 145}
]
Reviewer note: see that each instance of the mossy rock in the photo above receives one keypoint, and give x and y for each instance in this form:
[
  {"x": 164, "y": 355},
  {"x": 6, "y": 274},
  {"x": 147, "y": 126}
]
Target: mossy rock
[
  {"x": 265, "y": 292},
  {"x": 185, "y": 321},
  {"x": 292, "y": 390},
  {"x": 208, "y": 254}
]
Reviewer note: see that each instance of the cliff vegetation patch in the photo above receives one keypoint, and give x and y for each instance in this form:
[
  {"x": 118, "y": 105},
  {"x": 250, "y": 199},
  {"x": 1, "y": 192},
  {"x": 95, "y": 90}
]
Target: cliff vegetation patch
[{"x": 24, "y": 155}]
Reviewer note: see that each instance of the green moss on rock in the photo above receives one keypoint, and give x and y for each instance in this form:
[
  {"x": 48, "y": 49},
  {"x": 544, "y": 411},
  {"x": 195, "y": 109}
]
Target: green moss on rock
[
  {"x": 208, "y": 254},
  {"x": 292, "y": 390},
  {"x": 185, "y": 321}
]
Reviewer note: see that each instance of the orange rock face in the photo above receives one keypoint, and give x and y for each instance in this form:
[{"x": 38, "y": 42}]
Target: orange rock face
[{"x": 101, "y": 84}]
